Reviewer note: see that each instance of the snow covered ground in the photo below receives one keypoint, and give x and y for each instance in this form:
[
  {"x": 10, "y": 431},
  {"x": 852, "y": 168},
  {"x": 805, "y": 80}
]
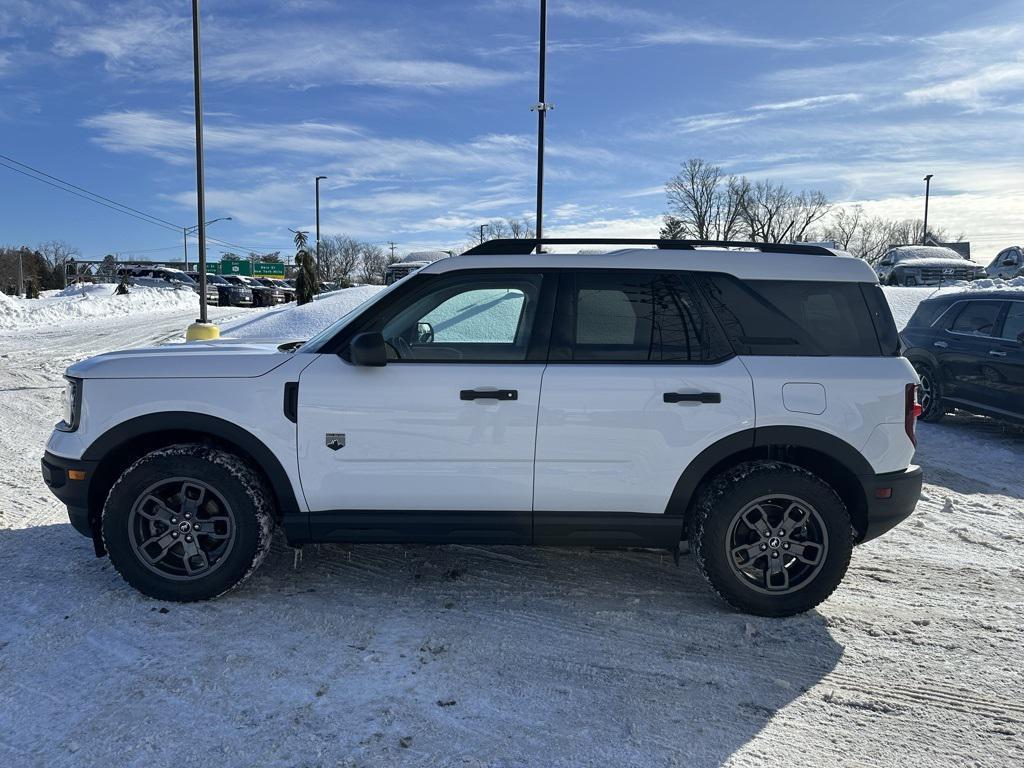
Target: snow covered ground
[{"x": 504, "y": 656}]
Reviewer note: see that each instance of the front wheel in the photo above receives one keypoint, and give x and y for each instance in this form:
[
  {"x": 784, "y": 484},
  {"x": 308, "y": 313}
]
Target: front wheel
[
  {"x": 187, "y": 522},
  {"x": 772, "y": 539}
]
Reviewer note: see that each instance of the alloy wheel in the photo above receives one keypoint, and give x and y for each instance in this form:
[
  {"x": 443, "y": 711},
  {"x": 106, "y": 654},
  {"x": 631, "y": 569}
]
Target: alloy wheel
[
  {"x": 776, "y": 544},
  {"x": 181, "y": 528}
]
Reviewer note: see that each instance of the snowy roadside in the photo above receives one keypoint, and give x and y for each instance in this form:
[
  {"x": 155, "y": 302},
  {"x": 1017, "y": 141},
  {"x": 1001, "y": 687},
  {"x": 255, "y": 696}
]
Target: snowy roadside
[{"x": 488, "y": 656}]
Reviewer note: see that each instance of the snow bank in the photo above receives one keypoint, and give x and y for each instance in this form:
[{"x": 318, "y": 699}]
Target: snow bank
[
  {"x": 903, "y": 301},
  {"x": 77, "y": 303},
  {"x": 295, "y": 322}
]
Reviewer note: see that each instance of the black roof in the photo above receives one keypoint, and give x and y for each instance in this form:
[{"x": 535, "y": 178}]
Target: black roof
[
  {"x": 522, "y": 246},
  {"x": 977, "y": 293}
]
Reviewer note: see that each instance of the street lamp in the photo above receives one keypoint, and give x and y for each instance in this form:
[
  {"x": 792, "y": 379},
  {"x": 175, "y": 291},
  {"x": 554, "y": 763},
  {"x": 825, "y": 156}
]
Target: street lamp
[
  {"x": 317, "y": 185},
  {"x": 186, "y": 231},
  {"x": 927, "y": 190}
]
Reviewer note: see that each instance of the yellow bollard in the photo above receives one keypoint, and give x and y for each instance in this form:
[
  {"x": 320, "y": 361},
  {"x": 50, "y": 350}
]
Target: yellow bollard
[{"x": 202, "y": 332}]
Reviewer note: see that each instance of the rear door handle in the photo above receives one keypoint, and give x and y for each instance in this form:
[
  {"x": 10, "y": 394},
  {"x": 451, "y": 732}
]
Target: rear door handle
[
  {"x": 489, "y": 394},
  {"x": 996, "y": 353},
  {"x": 692, "y": 397},
  {"x": 940, "y": 344}
]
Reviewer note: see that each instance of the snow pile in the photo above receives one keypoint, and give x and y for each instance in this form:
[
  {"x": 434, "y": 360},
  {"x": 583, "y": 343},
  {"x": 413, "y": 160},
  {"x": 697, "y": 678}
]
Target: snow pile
[
  {"x": 295, "y": 322},
  {"x": 77, "y": 303},
  {"x": 903, "y": 301}
]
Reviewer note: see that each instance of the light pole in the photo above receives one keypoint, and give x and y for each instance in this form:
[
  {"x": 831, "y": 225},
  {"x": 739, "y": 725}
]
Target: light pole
[
  {"x": 317, "y": 184},
  {"x": 482, "y": 226},
  {"x": 186, "y": 231},
  {"x": 927, "y": 190},
  {"x": 541, "y": 107},
  {"x": 200, "y": 184}
]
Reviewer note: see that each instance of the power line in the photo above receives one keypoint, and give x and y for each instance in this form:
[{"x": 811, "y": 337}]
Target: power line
[
  {"x": 127, "y": 208},
  {"x": 106, "y": 202},
  {"x": 91, "y": 200}
]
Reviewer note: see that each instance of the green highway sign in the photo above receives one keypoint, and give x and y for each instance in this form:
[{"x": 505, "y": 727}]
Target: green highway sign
[{"x": 273, "y": 269}]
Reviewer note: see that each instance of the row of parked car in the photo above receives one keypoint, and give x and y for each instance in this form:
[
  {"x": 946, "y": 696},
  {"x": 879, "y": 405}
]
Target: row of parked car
[
  {"x": 221, "y": 290},
  {"x": 934, "y": 265}
]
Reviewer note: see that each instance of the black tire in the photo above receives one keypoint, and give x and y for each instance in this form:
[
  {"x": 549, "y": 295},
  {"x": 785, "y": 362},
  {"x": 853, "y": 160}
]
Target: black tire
[
  {"x": 717, "y": 525},
  {"x": 929, "y": 394},
  {"x": 215, "y": 506}
]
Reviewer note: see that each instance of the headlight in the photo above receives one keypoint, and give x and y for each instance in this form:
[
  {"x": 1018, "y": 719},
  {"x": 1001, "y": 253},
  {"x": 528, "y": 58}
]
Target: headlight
[{"x": 72, "y": 404}]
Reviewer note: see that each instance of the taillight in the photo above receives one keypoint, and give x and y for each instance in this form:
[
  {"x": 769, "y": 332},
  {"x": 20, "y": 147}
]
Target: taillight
[{"x": 911, "y": 412}]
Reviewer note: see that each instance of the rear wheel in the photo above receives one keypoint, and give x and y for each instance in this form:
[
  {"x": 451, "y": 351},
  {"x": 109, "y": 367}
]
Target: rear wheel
[
  {"x": 187, "y": 522},
  {"x": 929, "y": 394},
  {"x": 771, "y": 538}
]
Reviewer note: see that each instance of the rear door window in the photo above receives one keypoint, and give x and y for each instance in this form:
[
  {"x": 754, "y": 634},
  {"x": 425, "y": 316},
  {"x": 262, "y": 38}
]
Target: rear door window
[
  {"x": 1013, "y": 325},
  {"x": 977, "y": 318},
  {"x": 637, "y": 316}
]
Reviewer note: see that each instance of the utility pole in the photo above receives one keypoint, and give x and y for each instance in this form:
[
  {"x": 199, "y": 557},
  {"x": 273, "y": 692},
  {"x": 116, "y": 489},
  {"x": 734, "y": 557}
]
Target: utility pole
[
  {"x": 541, "y": 107},
  {"x": 317, "y": 185},
  {"x": 482, "y": 233},
  {"x": 200, "y": 183},
  {"x": 21, "y": 272},
  {"x": 927, "y": 190},
  {"x": 391, "y": 245}
]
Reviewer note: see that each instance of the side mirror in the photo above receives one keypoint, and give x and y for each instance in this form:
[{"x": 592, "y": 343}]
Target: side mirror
[
  {"x": 424, "y": 333},
  {"x": 368, "y": 349}
]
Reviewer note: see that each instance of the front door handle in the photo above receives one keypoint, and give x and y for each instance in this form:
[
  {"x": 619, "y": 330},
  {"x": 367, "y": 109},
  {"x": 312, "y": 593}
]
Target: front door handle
[
  {"x": 996, "y": 353},
  {"x": 692, "y": 397},
  {"x": 940, "y": 344},
  {"x": 489, "y": 394}
]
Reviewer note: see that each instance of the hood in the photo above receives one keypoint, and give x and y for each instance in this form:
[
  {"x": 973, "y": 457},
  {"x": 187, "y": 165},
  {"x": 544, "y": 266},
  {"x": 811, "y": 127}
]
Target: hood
[
  {"x": 938, "y": 261},
  {"x": 227, "y": 359}
]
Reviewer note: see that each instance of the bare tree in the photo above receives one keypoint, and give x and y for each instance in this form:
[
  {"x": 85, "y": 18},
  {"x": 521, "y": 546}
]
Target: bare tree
[
  {"x": 57, "y": 254},
  {"x": 704, "y": 203},
  {"x": 773, "y": 214},
  {"x": 373, "y": 263}
]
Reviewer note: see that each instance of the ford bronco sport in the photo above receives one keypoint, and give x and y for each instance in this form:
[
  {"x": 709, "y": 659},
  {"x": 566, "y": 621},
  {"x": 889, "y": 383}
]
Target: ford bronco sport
[{"x": 747, "y": 398}]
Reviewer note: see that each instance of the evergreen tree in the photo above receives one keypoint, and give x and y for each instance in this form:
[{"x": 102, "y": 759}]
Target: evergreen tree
[{"x": 307, "y": 284}]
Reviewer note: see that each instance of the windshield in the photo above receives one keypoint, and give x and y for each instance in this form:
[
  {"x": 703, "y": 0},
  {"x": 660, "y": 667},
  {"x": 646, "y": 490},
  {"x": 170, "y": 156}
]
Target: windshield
[
  {"x": 216, "y": 279},
  {"x": 314, "y": 344}
]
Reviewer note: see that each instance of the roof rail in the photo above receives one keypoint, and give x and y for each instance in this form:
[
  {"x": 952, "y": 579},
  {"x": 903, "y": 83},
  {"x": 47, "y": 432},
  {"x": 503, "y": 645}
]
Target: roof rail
[{"x": 522, "y": 246}]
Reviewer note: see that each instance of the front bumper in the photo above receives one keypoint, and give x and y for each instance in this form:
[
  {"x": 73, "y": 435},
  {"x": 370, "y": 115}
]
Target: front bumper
[
  {"x": 74, "y": 494},
  {"x": 891, "y": 498}
]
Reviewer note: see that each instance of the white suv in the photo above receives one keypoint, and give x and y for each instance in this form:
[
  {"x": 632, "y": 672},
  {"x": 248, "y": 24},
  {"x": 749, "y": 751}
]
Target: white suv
[{"x": 751, "y": 401}]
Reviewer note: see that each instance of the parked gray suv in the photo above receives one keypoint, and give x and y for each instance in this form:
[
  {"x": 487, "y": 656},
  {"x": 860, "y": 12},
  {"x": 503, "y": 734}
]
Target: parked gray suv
[
  {"x": 924, "y": 265},
  {"x": 1008, "y": 264}
]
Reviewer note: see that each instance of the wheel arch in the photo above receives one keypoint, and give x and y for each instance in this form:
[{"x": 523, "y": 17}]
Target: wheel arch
[
  {"x": 829, "y": 457},
  {"x": 118, "y": 447}
]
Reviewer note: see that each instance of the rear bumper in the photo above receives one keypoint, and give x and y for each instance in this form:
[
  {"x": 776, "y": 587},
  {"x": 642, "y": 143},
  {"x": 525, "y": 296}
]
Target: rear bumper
[
  {"x": 891, "y": 498},
  {"x": 74, "y": 494}
]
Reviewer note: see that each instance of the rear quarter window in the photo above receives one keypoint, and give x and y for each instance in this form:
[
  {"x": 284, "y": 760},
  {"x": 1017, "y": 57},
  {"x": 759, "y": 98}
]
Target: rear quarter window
[{"x": 787, "y": 317}]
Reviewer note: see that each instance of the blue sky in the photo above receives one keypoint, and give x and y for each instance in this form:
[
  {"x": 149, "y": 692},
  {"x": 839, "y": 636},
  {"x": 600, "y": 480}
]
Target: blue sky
[{"x": 418, "y": 113}]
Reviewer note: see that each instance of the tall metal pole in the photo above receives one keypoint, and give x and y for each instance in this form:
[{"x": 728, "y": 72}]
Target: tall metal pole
[
  {"x": 927, "y": 190},
  {"x": 184, "y": 235},
  {"x": 200, "y": 187},
  {"x": 542, "y": 109},
  {"x": 317, "y": 184}
]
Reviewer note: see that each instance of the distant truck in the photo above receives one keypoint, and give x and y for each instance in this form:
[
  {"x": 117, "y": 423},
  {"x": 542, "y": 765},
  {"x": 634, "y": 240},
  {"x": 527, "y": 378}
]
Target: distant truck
[{"x": 411, "y": 263}]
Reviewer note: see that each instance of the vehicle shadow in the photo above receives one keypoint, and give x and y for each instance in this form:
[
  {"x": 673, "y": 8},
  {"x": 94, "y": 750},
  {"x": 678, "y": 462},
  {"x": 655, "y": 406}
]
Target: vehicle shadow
[{"x": 385, "y": 655}]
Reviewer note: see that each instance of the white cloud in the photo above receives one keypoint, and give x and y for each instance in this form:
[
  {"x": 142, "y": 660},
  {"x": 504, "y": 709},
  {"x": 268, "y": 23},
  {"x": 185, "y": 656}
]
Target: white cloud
[
  {"x": 809, "y": 102},
  {"x": 158, "y": 45},
  {"x": 977, "y": 89}
]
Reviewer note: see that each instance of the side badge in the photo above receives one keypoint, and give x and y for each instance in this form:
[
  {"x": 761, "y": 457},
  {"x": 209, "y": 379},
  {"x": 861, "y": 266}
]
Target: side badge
[{"x": 335, "y": 440}]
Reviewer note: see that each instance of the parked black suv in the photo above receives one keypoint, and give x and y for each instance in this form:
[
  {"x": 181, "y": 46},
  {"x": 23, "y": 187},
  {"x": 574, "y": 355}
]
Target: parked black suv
[
  {"x": 262, "y": 296},
  {"x": 968, "y": 349},
  {"x": 280, "y": 285},
  {"x": 228, "y": 294}
]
